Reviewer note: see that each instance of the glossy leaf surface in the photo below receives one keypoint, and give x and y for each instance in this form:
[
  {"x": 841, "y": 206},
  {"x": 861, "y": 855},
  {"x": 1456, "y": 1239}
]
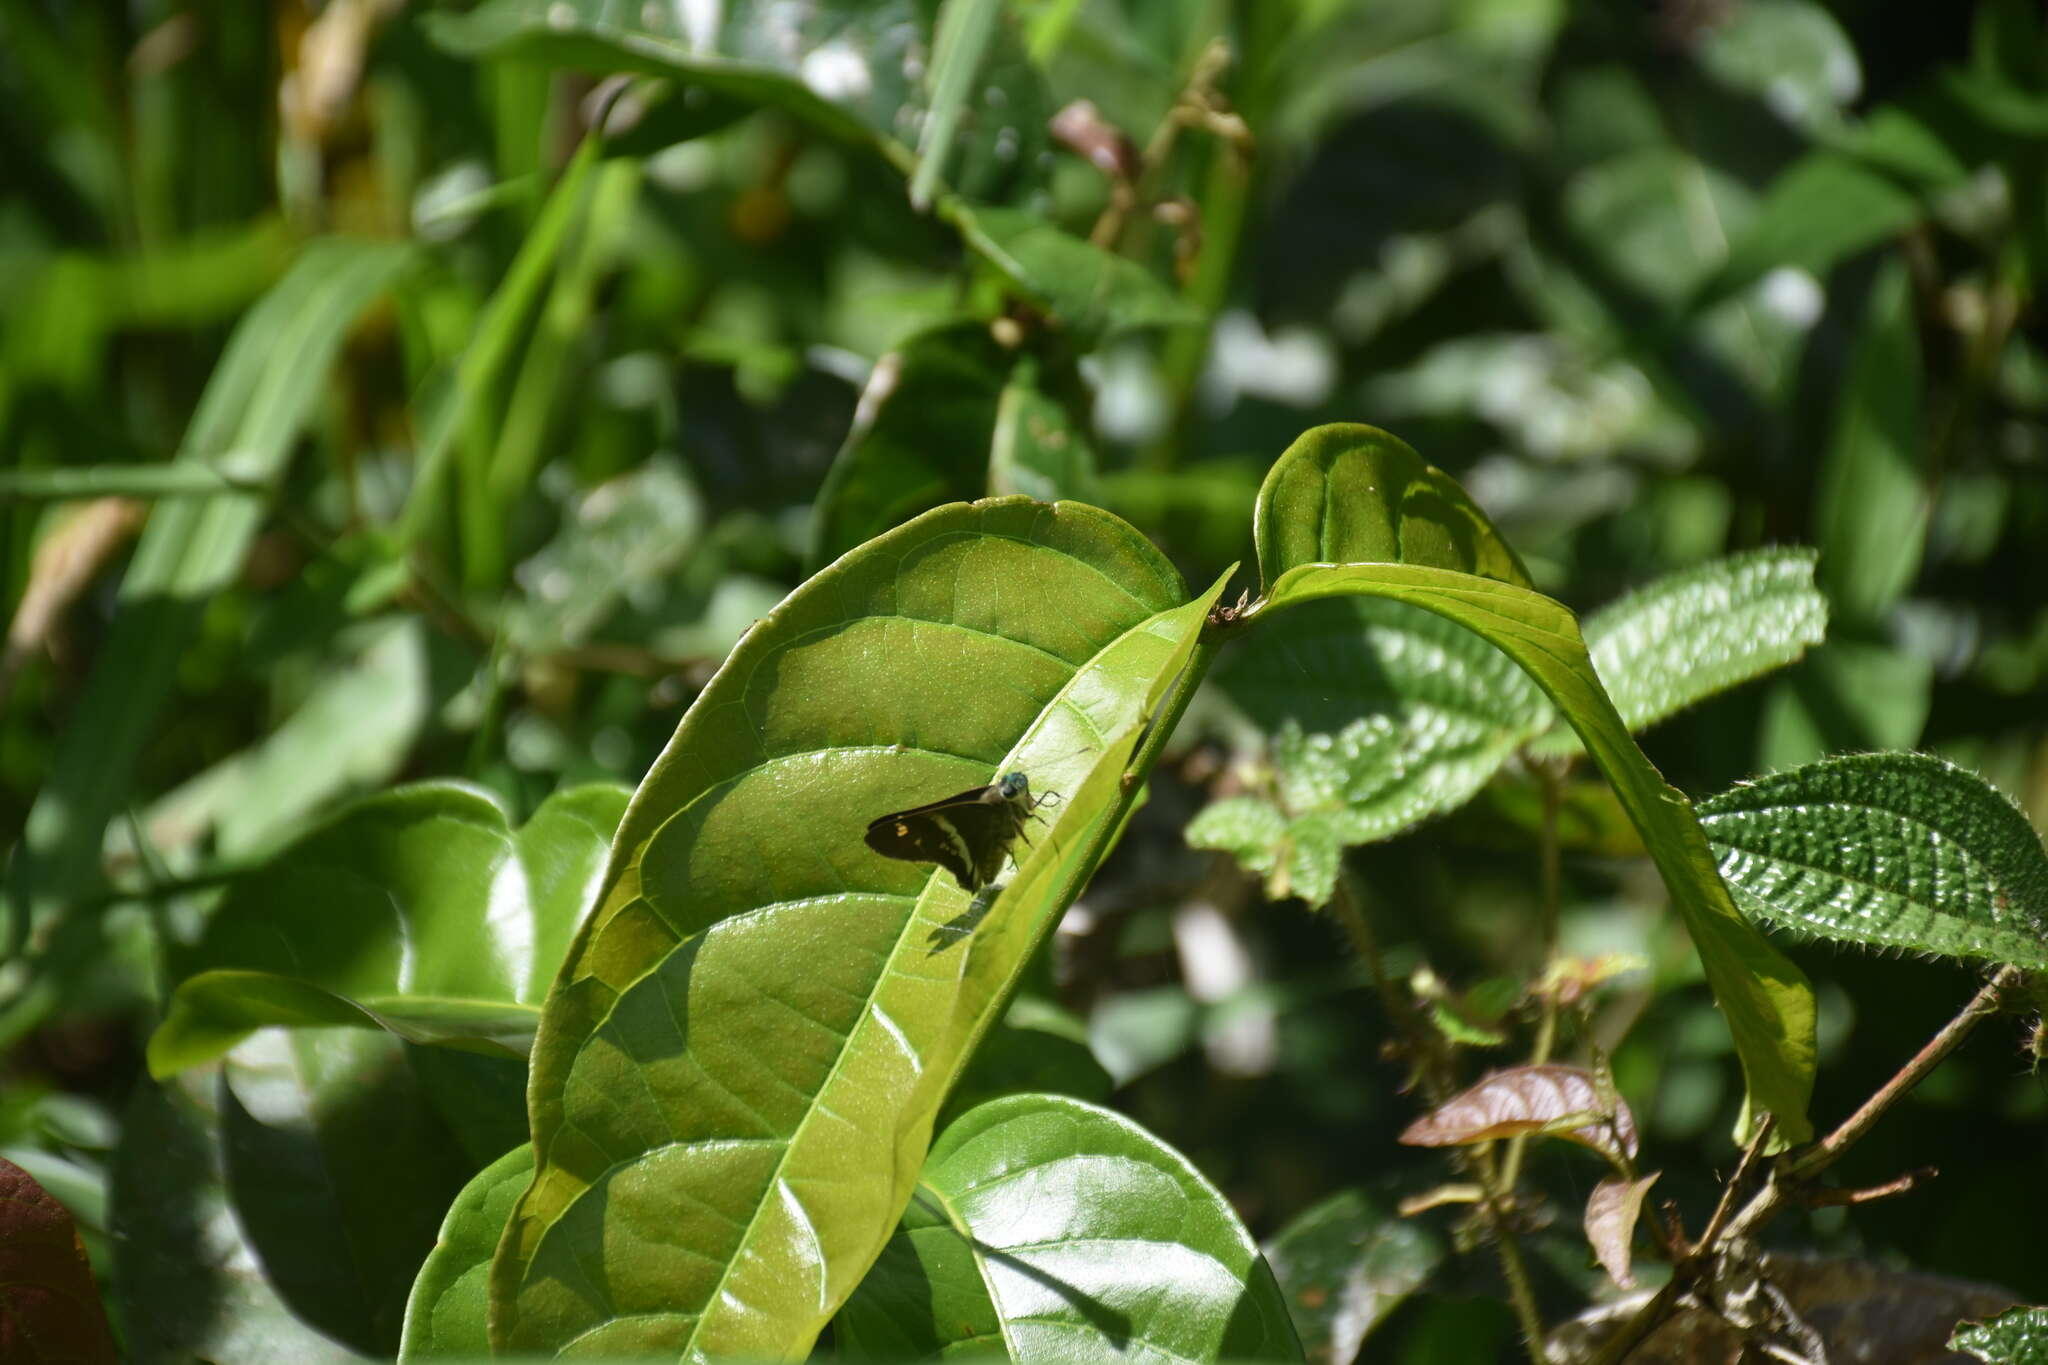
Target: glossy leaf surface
[
  {"x": 737, "y": 1071},
  {"x": 1044, "y": 1228},
  {"x": 49, "y": 1306},
  {"x": 1895, "y": 850},
  {"x": 1344, "y": 1265},
  {"x": 1766, "y": 998},
  {"x": 419, "y": 911},
  {"x": 1552, "y": 1100},
  {"x": 2019, "y": 1337},
  {"x": 446, "y": 1313},
  {"x": 1691, "y": 634}
]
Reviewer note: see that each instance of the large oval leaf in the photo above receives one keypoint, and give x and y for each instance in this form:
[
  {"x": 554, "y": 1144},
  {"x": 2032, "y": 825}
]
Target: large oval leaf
[
  {"x": 1344, "y": 1265},
  {"x": 1050, "y": 1229},
  {"x": 1343, "y": 496},
  {"x": 419, "y": 911},
  {"x": 1893, "y": 850},
  {"x": 446, "y": 1314},
  {"x": 736, "y": 1073}
]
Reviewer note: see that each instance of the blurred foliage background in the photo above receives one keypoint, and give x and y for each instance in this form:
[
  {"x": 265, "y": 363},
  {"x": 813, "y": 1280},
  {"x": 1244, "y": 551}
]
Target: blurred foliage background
[{"x": 513, "y": 440}]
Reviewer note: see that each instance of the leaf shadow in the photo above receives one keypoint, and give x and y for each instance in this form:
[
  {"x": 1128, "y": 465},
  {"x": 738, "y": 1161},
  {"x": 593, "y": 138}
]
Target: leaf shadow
[{"x": 1114, "y": 1326}]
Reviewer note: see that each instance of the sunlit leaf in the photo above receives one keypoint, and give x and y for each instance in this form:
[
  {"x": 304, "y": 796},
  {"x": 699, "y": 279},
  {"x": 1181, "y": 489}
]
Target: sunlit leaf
[
  {"x": 1611, "y": 1213},
  {"x": 49, "y": 1306},
  {"x": 419, "y": 911},
  {"x": 1558, "y": 1101},
  {"x": 738, "y": 1068},
  {"x": 1050, "y": 1229},
  {"x": 1895, "y": 850},
  {"x": 1344, "y": 1265},
  {"x": 2019, "y": 1337},
  {"x": 445, "y": 1315}
]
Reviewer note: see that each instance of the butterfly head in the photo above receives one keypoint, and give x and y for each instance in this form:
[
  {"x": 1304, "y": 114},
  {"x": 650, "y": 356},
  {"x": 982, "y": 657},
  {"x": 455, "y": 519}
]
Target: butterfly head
[{"x": 1013, "y": 785}]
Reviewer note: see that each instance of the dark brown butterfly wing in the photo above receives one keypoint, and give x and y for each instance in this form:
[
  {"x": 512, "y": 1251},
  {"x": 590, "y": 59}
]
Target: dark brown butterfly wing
[{"x": 968, "y": 834}]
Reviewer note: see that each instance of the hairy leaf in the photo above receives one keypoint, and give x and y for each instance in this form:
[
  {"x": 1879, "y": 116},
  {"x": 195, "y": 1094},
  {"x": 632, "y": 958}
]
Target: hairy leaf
[
  {"x": 446, "y": 1313},
  {"x": 1611, "y": 1213},
  {"x": 1050, "y": 1229},
  {"x": 2019, "y": 1337},
  {"x": 1896, "y": 850},
  {"x": 738, "y": 1068},
  {"x": 419, "y": 911},
  {"x": 1557, "y": 1101},
  {"x": 49, "y": 1306},
  {"x": 1344, "y": 1265},
  {"x": 1689, "y": 635}
]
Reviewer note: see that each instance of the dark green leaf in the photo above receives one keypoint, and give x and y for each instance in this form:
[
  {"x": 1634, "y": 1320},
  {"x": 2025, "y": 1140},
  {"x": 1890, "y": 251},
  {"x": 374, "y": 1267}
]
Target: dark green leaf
[
  {"x": 49, "y": 1306},
  {"x": 189, "y": 1283},
  {"x": 445, "y": 1316},
  {"x": 1036, "y": 1047},
  {"x": 1895, "y": 850},
  {"x": 1088, "y": 291},
  {"x": 1050, "y": 1229},
  {"x": 419, "y": 911},
  {"x": 755, "y": 1028},
  {"x": 1344, "y": 1265},
  {"x": 2019, "y": 1337}
]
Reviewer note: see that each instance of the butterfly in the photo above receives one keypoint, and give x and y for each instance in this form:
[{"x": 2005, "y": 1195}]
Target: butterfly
[{"x": 968, "y": 834}]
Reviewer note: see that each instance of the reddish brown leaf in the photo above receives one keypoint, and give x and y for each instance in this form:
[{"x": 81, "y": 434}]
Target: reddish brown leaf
[
  {"x": 1611, "y": 1213},
  {"x": 1528, "y": 1099},
  {"x": 49, "y": 1308}
]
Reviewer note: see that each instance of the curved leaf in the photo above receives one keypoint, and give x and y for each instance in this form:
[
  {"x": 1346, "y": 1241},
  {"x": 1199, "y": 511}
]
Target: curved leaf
[
  {"x": 1558, "y": 1101},
  {"x": 1895, "y": 850},
  {"x": 1688, "y": 635},
  {"x": 2019, "y": 1337},
  {"x": 1344, "y": 1265},
  {"x": 1353, "y": 494},
  {"x": 736, "y": 1073},
  {"x": 1048, "y": 1229},
  {"x": 418, "y": 911},
  {"x": 1767, "y": 999},
  {"x": 1612, "y": 1210},
  {"x": 1094, "y": 293},
  {"x": 49, "y": 1306},
  {"x": 445, "y": 1316}
]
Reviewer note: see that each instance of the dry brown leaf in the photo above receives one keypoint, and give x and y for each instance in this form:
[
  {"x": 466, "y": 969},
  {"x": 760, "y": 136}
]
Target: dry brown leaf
[
  {"x": 1558, "y": 1101},
  {"x": 1611, "y": 1213},
  {"x": 65, "y": 563}
]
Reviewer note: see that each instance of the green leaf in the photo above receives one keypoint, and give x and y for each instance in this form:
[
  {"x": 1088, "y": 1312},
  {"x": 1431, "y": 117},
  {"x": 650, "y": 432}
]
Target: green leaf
[
  {"x": 1895, "y": 850},
  {"x": 1048, "y": 1229},
  {"x": 1040, "y": 449},
  {"x": 1036, "y": 1047},
  {"x": 961, "y": 38},
  {"x": 1349, "y": 494},
  {"x": 737, "y": 1070},
  {"x": 445, "y": 1316},
  {"x": 1766, "y": 998},
  {"x": 264, "y": 389},
  {"x": 1691, "y": 634},
  {"x": 623, "y": 539},
  {"x": 2018, "y": 1337},
  {"x": 339, "y": 1165},
  {"x": 921, "y": 437},
  {"x": 1296, "y": 858},
  {"x": 1344, "y": 1265},
  {"x": 1092, "y": 293},
  {"x": 419, "y": 911},
  {"x": 188, "y": 1282},
  {"x": 1847, "y": 694},
  {"x": 1872, "y": 499},
  {"x": 49, "y": 1306}
]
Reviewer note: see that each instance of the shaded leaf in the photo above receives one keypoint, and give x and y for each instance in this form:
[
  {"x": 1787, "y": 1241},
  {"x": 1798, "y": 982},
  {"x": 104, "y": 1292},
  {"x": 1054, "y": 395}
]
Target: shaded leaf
[
  {"x": 340, "y": 1166},
  {"x": 1895, "y": 850},
  {"x": 1344, "y": 1265},
  {"x": 737, "y": 1070},
  {"x": 2019, "y": 1337},
  {"x": 445, "y": 1314},
  {"x": 49, "y": 1306},
  {"x": 419, "y": 911},
  {"x": 1296, "y": 856},
  {"x": 1872, "y": 500},
  {"x": 1611, "y": 1213},
  {"x": 1553, "y": 1100},
  {"x": 1039, "y": 449},
  {"x": 1350, "y": 494},
  {"x": 621, "y": 540},
  {"x": 188, "y": 1281},
  {"x": 1691, "y": 634},
  {"x": 1062, "y": 1231},
  {"x": 1036, "y": 1047}
]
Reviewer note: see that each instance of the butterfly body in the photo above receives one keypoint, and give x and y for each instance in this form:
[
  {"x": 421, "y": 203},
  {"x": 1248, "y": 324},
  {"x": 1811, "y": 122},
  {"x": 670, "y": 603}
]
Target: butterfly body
[{"x": 969, "y": 833}]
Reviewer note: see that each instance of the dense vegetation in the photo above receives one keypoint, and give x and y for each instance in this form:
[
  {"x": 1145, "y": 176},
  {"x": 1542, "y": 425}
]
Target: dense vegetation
[{"x": 499, "y": 498}]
